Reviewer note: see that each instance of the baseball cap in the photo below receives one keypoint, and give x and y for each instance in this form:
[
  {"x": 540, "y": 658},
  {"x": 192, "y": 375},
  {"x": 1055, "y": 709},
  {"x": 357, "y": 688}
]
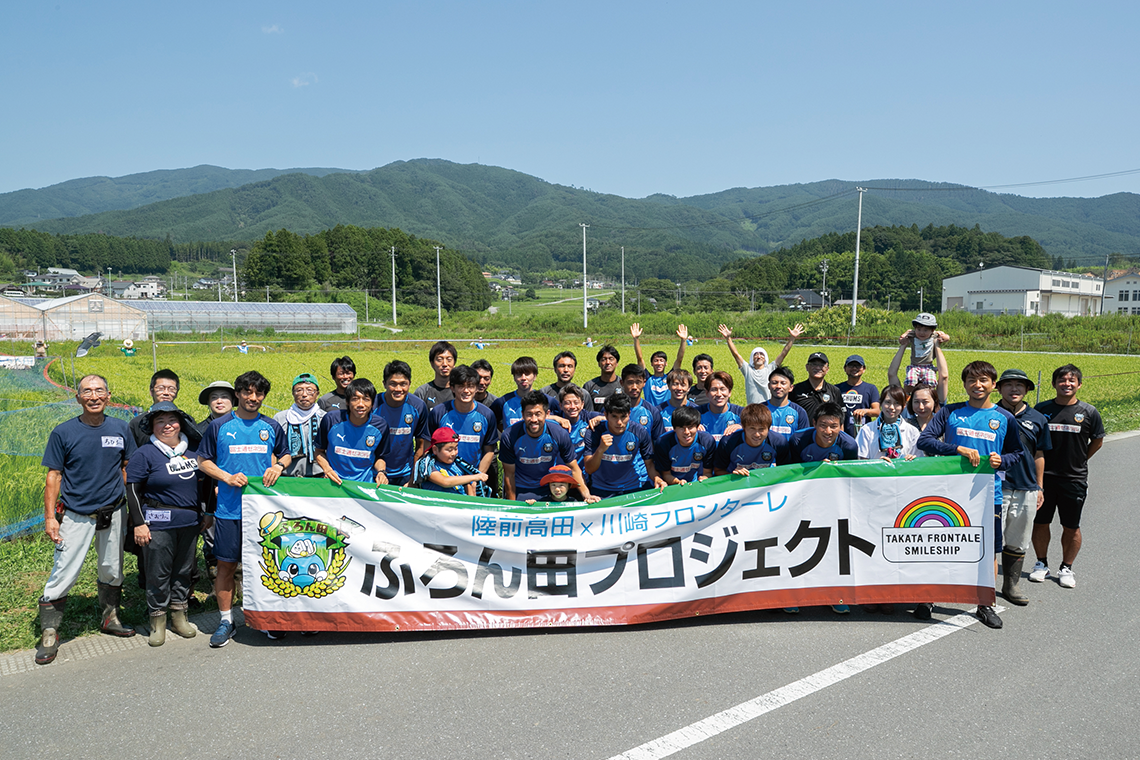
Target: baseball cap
[
  {"x": 204, "y": 396},
  {"x": 925, "y": 319},
  {"x": 1016, "y": 374},
  {"x": 306, "y": 377},
  {"x": 443, "y": 435},
  {"x": 818, "y": 356},
  {"x": 855, "y": 359},
  {"x": 559, "y": 473}
]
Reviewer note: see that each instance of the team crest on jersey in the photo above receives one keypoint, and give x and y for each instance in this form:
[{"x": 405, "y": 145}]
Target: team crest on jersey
[
  {"x": 698, "y": 456},
  {"x": 630, "y": 446},
  {"x": 263, "y": 435},
  {"x": 789, "y": 418},
  {"x": 370, "y": 441},
  {"x": 301, "y": 556},
  {"x": 477, "y": 427},
  {"x": 1027, "y": 424},
  {"x": 1078, "y": 417},
  {"x": 833, "y": 456},
  {"x": 826, "y": 397},
  {"x": 995, "y": 424},
  {"x": 548, "y": 447},
  {"x": 408, "y": 419},
  {"x": 766, "y": 456}
]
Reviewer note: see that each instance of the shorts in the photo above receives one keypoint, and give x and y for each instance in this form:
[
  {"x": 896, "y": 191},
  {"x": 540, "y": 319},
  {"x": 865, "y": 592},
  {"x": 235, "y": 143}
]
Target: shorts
[
  {"x": 917, "y": 374},
  {"x": 227, "y": 540},
  {"x": 1065, "y": 497}
]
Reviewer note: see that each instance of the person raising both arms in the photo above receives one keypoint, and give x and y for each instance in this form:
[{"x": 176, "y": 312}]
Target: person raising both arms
[
  {"x": 656, "y": 383},
  {"x": 758, "y": 369}
]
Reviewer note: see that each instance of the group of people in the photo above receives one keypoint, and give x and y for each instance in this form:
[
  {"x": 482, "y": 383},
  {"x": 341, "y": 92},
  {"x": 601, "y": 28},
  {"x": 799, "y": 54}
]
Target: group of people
[{"x": 155, "y": 484}]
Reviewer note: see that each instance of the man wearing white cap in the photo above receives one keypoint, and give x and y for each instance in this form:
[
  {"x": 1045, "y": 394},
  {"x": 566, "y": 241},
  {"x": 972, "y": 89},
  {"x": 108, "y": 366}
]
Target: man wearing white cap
[{"x": 757, "y": 369}]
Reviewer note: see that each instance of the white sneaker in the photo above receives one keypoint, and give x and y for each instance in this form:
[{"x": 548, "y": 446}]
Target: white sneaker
[
  {"x": 1066, "y": 578},
  {"x": 1039, "y": 572}
]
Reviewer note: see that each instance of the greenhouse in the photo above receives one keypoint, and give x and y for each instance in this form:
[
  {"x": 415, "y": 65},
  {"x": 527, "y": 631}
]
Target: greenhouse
[
  {"x": 72, "y": 318},
  {"x": 208, "y": 316}
]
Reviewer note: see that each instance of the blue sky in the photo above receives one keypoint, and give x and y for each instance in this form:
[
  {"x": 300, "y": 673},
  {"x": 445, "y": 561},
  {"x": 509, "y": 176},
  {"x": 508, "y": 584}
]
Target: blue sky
[{"x": 630, "y": 98}]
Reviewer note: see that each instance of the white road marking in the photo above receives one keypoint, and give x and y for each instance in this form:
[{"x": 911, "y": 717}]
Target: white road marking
[{"x": 697, "y": 732}]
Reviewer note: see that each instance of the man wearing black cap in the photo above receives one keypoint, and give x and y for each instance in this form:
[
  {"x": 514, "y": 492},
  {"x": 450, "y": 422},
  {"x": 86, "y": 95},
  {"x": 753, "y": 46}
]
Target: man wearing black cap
[
  {"x": 1022, "y": 494},
  {"x": 814, "y": 392},
  {"x": 860, "y": 398}
]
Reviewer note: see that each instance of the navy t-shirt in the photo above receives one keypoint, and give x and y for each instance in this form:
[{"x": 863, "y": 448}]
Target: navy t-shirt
[
  {"x": 91, "y": 460},
  {"x": 1033, "y": 429},
  {"x": 172, "y": 481}
]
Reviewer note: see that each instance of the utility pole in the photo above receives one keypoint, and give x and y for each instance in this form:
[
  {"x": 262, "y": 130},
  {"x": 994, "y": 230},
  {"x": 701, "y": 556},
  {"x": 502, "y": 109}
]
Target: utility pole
[
  {"x": 393, "y": 286},
  {"x": 858, "y": 231},
  {"x": 623, "y": 279},
  {"x": 366, "y": 306},
  {"x": 1104, "y": 282},
  {"x": 585, "y": 318},
  {"x": 438, "y": 293},
  {"x": 233, "y": 255},
  {"x": 823, "y": 293},
  {"x": 920, "y": 300}
]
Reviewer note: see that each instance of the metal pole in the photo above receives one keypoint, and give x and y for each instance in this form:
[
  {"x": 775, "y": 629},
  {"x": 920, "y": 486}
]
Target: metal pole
[
  {"x": 823, "y": 293},
  {"x": 393, "y": 286},
  {"x": 266, "y": 300},
  {"x": 920, "y": 301},
  {"x": 623, "y": 279},
  {"x": 233, "y": 255},
  {"x": 858, "y": 231},
  {"x": 438, "y": 293},
  {"x": 585, "y": 319},
  {"x": 1104, "y": 282},
  {"x": 366, "y": 306},
  {"x": 154, "y": 351}
]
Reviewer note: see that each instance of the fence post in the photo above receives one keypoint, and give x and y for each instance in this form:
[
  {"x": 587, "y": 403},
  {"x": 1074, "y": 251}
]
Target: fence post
[{"x": 154, "y": 350}]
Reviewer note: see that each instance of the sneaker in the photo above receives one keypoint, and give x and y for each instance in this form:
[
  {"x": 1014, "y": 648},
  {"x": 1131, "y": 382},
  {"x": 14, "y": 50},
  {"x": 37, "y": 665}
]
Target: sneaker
[
  {"x": 1039, "y": 572},
  {"x": 275, "y": 635},
  {"x": 1066, "y": 578},
  {"x": 792, "y": 610},
  {"x": 840, "y": 609},
  {"x": 222, "y": 636},
  {"x": 923, "y": 611},
  {"x": 309, "y": 633},
  {"x": 988, "y": 617}
]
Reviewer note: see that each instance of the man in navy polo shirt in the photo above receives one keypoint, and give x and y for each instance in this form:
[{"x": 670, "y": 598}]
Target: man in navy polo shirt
[
  {"x": 406, "y": 416},
  {"x": 614, "y": 446},
  {"x": 238, "y": 446},
  {"x": 86, "y": 459},
  {"x": 531, "y": 447}
]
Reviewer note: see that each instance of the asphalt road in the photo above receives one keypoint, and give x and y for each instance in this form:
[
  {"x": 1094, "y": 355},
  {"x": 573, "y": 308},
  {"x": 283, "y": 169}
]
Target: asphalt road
[{"x": 1060, "y": 680}]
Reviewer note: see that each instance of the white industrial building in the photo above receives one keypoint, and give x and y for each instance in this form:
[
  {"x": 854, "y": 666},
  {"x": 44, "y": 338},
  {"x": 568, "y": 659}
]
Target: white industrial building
[
  {"x": 1023, "y": 290},
  {"x": 1124, "y": 292}
]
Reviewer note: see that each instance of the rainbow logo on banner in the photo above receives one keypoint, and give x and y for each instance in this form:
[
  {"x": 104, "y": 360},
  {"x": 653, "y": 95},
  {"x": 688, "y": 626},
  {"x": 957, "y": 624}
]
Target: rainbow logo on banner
[{"x": 932, "y": 512}]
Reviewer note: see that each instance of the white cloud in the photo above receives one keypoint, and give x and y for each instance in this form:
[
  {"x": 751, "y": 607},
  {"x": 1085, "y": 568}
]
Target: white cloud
[
  {"x": 272, "y": 29},
  {"x": 304, "y": 80}
]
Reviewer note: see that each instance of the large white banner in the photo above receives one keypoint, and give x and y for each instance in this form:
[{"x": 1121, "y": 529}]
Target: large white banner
[{"x": 355, "y": 557}]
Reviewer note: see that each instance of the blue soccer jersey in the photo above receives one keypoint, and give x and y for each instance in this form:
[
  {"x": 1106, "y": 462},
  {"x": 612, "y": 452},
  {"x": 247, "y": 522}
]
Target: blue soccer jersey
[
  {"x": 734, "y": 452},
  {"x": 475, "y": 429},
  {"x": 984, "y": 430},
  {"x": 580, "y": 435},
  {"x": 533, "y": 457},
  {"x": 715, "y": 424},
  {"x": 667, "y": 415},
  {"x": 657, "y": 390},
  {"x": 618, "y": 472},
  {"x": 803, "y": 448},
  {"x": 788, "y": 418},
  {"x": 353, "y": 450},
  {"x": 407, "y": 423},
  {"x": 246, "y": 446},
  {"x": 508, "y": 409},
  {"x": 687, "y": 463},
  {"x": 649, "y": 417}
]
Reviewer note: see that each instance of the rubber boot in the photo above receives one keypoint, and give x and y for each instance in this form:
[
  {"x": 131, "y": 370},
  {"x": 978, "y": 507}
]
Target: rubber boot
[
  {"x": 157, "y": 629},
  {"x": 181, "y": 625},
  {"x": 51, "y": 617},
  {"x": 109, "y": 599},
  {"x": 1011, "y": 563}
]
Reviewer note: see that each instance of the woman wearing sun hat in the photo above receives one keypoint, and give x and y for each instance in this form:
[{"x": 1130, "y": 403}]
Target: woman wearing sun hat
[{"x": 166, "y": 497}]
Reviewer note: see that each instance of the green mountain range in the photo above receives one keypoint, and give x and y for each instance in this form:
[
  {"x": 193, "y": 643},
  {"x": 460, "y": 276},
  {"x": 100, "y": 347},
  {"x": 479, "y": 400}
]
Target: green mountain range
[{"x": 500, "y": 216}]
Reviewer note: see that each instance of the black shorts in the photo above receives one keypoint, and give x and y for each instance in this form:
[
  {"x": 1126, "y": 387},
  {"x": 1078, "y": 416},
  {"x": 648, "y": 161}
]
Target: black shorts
[{"x": 1065, "y": 497}]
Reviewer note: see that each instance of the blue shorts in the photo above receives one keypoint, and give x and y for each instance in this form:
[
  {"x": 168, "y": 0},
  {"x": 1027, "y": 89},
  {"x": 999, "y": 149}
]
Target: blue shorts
[{"x": 227, "y": 540}]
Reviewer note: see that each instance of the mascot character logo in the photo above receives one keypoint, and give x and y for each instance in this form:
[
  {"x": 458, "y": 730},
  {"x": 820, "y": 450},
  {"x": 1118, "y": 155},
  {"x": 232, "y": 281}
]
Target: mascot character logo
[{"x": 301, "y": 556}]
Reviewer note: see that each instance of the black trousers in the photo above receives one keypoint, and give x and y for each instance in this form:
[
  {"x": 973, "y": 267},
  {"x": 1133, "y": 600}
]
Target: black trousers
[{"x": 169, "y": 560}]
